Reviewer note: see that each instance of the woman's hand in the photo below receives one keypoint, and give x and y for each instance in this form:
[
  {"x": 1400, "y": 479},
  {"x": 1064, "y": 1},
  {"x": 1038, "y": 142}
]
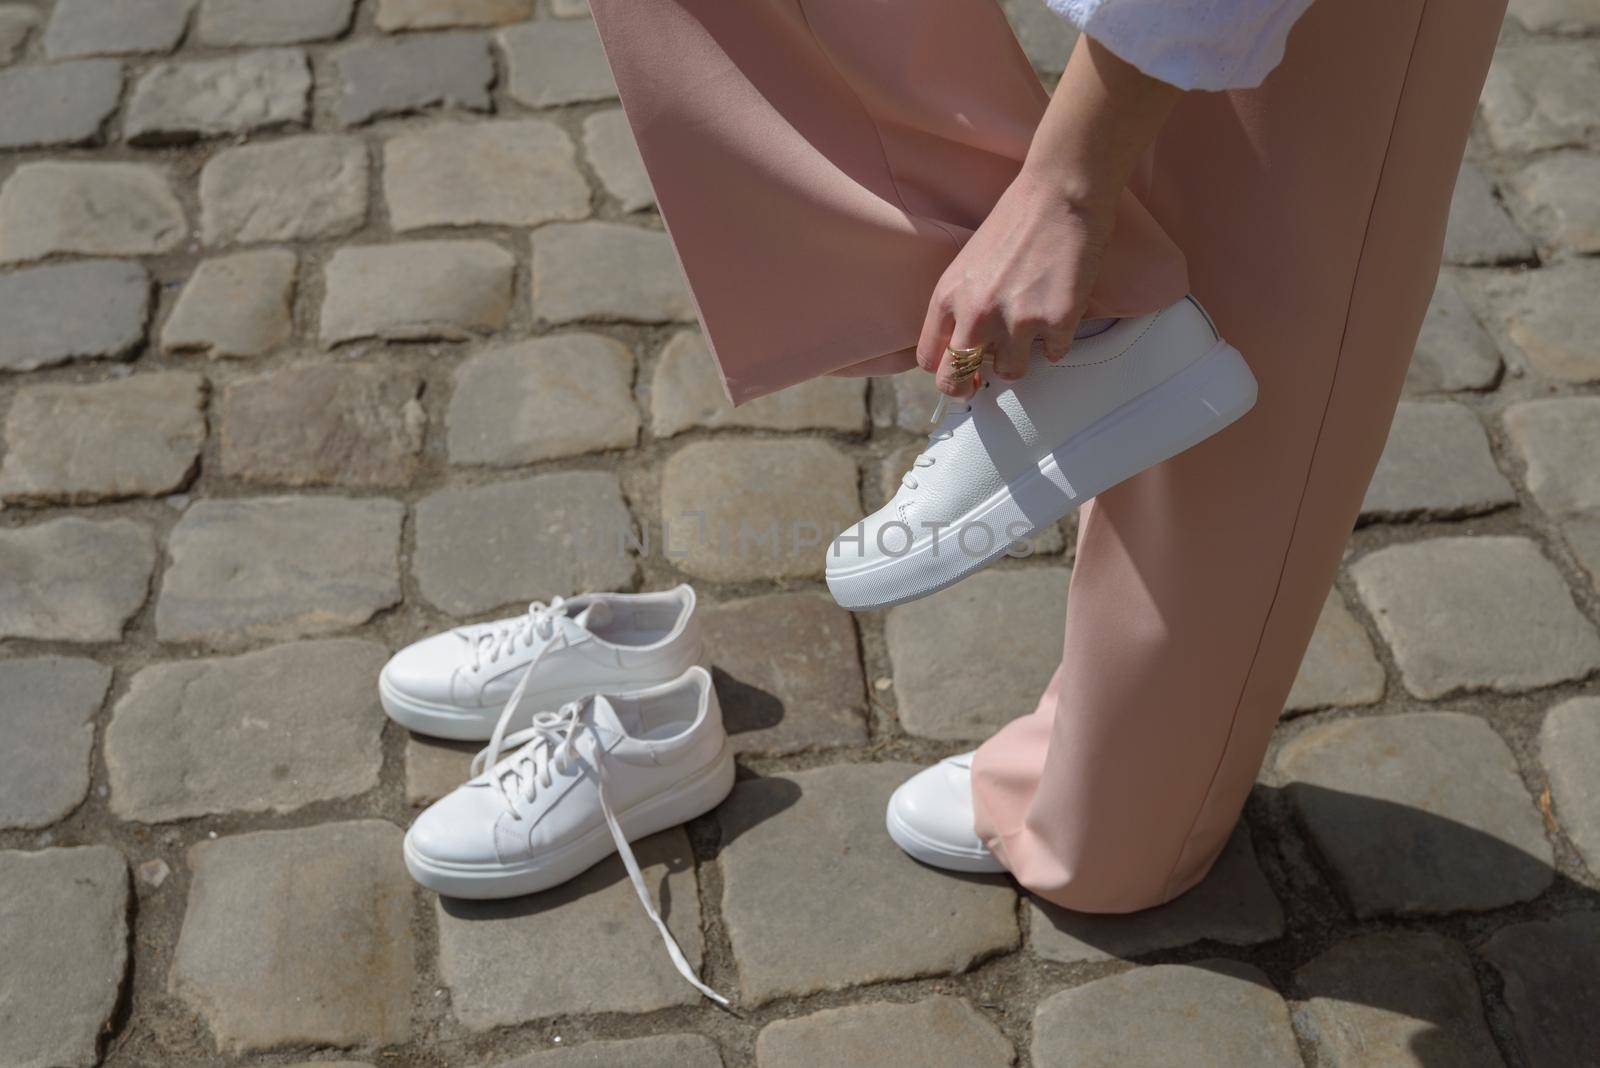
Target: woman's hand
[
  {"x": 1026, "y": 273},
  {"x": 1028, "y": 270}
]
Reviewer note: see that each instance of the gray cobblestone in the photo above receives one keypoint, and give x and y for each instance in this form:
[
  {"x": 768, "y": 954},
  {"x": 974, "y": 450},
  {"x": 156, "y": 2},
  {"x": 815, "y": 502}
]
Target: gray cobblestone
[
  {"x": 1559, "y": 440},
  {"x": 72, "y": 579},
  {"x": 788, "y": 672},
  {"x": 1211, "y": 1014},
  {"x": 93, "y": 209},
  {"x": 265, "y": 911},
  {"x": 1569, "y": 748},
  {"x": 1553, "y": 321},
  {"x": 177, "y": 102},
  {"x": 1476, "y": 613},
  {"x": 17, "y": 22},
  {"x": 1045, "y": 36},
  {"x": 880, "y": 915},
  {"x": 58, "y": 104},
  {"x": 267, "y": 731},
  {"x": 597, "y": 950},
  {"x": 1558, "y": 196},
  {"x": 1480, "y": 231},
  {"x": 434, "y": 767},
  {"x": 288, "y": 190},
  {"x": 378, "y": 78},
  {"x": 50, "y": 702},
  {"x": 240, "y": 305},
  {"x": 66, "y": 311},
  {"x": 445, "y": 14},
  {"x": 939, "y": 696},
  {"x": 937, "y": 1032},
  {"x": 130, "y": 437},
  {"x": 605, "y": 270},
  {"x": 555, "y": 63},
  {"x": 235, "y": 23},
  {"x": 1232, "y": 904},
  {"x": 1399, "y": 999},
  {"x": 608, "y": 143},
  {"x": 473, "y": 541},
  {"x": 544, "y": 398},
  {"x": 1453, "y": 352},
  {"x": 1339, "y": 669},
  {"x": 426, "y": 290},
  {"x": 316, "y": 424},
  {"x": 1582, "y": 536},
  {"x": 65, "y": 928},
  {"x": 1551, "y": 986},
  {"x": 1557, "y": 16},
  {"x": 278, "y": 567},
  {"x": 657, "y": 1051},
  {"x": 1541, "y": 95},
  {"x": 740, "y": 510},
  {"x": 1436, "y": 463},
  {"x": 518, "y": 173},
  {"x": 686, "y": 392},
  {"x": 1405, "y": 831},
  {"x": 94, "y": 27}
]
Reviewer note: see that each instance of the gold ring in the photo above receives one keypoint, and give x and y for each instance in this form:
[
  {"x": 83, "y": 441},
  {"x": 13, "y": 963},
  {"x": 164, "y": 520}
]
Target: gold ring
[{"x": 964, "y": 363}]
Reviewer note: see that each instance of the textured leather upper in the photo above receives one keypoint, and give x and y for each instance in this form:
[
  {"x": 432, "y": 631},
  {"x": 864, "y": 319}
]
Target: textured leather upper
[{"x": 1008, "y": 429}]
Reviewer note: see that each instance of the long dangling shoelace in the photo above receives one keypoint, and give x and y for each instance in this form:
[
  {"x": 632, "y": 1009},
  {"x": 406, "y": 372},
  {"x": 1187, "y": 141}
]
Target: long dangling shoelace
[{"x": 551, "y": 742}]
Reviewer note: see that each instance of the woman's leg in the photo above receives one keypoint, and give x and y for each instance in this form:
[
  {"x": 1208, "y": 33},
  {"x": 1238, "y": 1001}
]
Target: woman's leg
[
  {"x": 818, "y": 163},
  {"x": 1312, "y": 215}
]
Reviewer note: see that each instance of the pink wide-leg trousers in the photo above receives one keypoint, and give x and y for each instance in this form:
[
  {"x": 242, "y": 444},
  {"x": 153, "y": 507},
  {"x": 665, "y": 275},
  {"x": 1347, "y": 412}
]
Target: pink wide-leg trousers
[{"x": 818, "y": 163}]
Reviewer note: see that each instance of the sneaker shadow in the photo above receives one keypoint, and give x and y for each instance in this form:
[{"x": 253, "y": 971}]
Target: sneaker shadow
[
  {"x": 1378, "y": 862},
  {"x": 745, "y": 707}
]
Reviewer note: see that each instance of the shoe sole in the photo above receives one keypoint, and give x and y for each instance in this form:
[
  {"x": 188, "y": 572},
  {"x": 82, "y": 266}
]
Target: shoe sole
[
  {"x": 477, "y": 725},
  {"x": 1157, "y": 425},
  {"x": 932, "y": 853},
  {"x": 694, "y": 796}
]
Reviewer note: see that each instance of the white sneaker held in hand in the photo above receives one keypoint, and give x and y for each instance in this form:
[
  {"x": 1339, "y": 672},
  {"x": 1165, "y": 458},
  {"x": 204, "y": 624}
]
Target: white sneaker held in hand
[
  {"x": 1014, "y": 458},
  {"x": 550, "y": 800},
  {"x": 454, "y": 684}
]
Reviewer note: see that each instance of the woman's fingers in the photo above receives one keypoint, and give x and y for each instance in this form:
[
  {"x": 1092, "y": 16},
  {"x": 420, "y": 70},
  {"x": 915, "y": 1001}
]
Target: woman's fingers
[
  {"x": 955, "y": 377},
  {"x": 936, "y": 328}
]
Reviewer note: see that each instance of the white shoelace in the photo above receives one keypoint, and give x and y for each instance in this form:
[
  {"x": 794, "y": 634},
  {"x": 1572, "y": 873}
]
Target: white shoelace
[
  {"x": 944, "y": 409},
  {"x": 551, "y": 742},
  {"x": 538, "y": 622}
]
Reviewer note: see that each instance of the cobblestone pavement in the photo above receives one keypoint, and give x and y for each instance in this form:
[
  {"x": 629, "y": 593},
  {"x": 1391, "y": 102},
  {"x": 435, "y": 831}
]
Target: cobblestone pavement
[{"x": 326, "y": 323}]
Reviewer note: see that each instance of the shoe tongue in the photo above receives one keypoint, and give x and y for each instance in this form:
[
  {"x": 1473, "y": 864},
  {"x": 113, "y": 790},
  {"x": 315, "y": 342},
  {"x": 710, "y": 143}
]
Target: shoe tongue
[
  {"x": 594, "y": 614},
  {"x": 606, "y": 720}
]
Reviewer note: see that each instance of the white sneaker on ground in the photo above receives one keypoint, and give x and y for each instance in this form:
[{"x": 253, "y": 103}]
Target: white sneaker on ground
[
  {"x": 454, "y": 684},
  {"x": 553, "y": 799},
  {"x": 930, "y": 817},
  {"x": 1012, "y": 459}
]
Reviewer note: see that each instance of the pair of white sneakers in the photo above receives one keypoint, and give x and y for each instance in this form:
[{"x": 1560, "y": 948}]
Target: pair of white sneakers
[{"x": 602, "y": 728}]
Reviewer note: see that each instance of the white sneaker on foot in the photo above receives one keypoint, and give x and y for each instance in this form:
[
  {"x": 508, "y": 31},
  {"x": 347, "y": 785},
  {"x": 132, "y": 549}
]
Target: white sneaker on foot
[
  {"x": 454, "y": 684},
  {"x": 930, "y": 817},
  {"x": 551, "y": 800},
  {"x": 1014, "y": 458}
]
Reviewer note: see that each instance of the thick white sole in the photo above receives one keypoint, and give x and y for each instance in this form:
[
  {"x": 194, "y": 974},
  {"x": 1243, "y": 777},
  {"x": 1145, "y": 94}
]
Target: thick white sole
[
  {"x": 1158, "y": 424},
  {"x": 939, "y": 856},
  {"x": 698, "y": 794},
  {"x": 477, "y": 724}
]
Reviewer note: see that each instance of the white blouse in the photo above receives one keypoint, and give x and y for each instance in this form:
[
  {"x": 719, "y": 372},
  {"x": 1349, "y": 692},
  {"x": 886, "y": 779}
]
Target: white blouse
[{"x": 1192, "y": 44}]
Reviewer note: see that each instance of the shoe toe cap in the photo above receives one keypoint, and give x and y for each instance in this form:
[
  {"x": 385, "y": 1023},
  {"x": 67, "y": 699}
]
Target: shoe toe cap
[
  {"x": 458, "y": 829},
  {"x": 426, "y": 670},
  {"x": 881, "y": 535},
  {"x": 936, "y": 803}
]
